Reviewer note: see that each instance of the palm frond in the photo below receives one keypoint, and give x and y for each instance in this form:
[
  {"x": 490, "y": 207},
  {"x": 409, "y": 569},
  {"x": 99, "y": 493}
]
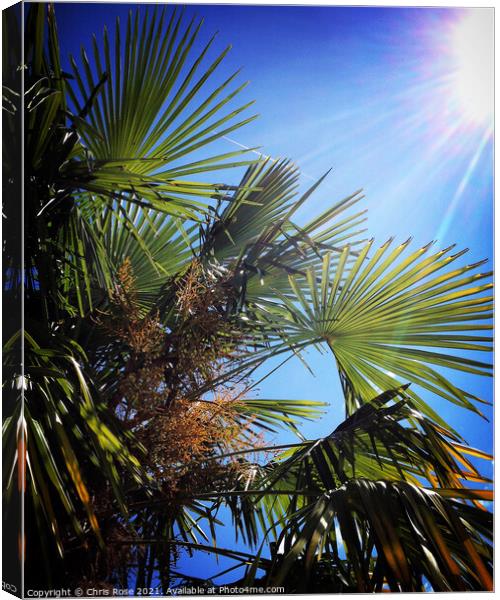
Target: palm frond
[
  {"x": 64, "y": 429},
  {"x": 145, "y": 156},
  {"x": 256, "y": 233},
  {"x": 395, "y": 535},
  {"x": 383, "y": 316},
  {"x": 326, "y": 500}
]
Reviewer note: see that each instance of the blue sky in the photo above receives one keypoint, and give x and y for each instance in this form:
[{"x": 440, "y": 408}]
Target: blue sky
[{"x": 384, "y": 98}]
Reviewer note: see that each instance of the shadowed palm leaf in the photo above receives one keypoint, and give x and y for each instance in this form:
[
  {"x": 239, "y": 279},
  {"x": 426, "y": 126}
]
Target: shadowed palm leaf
[
  {"x": 376, "y": 503},
  {"x": 395, "y": 535}
]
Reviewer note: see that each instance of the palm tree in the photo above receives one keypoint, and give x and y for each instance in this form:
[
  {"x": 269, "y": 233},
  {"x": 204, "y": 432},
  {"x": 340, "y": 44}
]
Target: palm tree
[{"x": 153, "y": 295}]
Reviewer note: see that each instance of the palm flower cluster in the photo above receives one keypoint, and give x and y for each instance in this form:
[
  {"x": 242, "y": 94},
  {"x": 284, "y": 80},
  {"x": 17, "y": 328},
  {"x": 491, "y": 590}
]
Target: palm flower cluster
[{"x": 160, "y": 396}]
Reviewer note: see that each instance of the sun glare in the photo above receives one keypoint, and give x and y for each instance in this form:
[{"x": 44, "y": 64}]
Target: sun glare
[{"x": 472, "y": 79}]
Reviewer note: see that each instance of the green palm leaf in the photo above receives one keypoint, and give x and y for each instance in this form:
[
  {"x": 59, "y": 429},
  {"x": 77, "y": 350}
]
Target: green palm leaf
[
  {"x": 64, "y": 429},
  {"x": 256, "y": 230},
  {"x": 389, "y": 320},
  {"x": 145, "y": 155},
  {"x": 393, "y": 534},
  {"x": 384, "y": 437},
  {"x": 379, "y": 490}
]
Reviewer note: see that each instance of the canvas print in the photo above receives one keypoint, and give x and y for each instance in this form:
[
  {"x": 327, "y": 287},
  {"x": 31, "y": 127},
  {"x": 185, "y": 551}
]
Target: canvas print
[{"x": 247, "y": 299}]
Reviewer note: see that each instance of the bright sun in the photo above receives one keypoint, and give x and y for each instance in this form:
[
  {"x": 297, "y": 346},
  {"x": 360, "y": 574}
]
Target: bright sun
[{"x": 472, "y": 55}]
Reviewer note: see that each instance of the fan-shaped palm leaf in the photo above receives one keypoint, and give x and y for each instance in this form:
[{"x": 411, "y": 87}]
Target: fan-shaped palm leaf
[
  {"x": 383, "y": 316},
  {"x": 145, "y": 154},
  {"x": 394, "y": 535},
  {"x": 320, "y": 496},
  {"x": 256, "y": 233}
]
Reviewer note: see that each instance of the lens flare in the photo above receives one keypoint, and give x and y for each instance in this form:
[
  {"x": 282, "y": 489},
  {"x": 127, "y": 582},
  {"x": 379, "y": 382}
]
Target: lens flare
[{"x": 472, "y": 51}]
